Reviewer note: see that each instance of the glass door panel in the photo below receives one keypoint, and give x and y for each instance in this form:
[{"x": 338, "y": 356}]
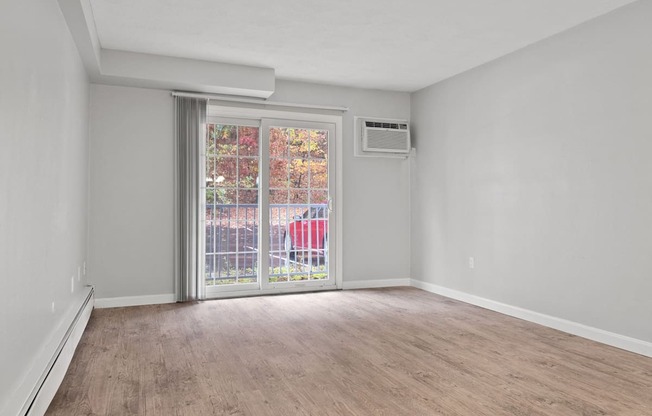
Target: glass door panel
[
  {"x": 298, "y": 204},
  {"x": 232, "y": 210}
]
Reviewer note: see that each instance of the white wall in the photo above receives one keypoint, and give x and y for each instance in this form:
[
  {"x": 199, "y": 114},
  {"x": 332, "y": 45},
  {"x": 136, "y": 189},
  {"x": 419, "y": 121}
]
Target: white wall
[
  {"x": 538, "y": 165},
  {"x": 131, "y": 234},
  {"x": 132, "y": 197},
  {"x": 43, "y": 183}
]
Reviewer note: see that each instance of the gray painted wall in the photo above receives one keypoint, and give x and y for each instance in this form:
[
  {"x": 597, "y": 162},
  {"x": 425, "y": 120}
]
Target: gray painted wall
[
  {"x": 131, "y": 234},
  {"x": 132, "y": 196},
  {"x": 538, "y": 166},
  {"x": 43, "y": 183}
]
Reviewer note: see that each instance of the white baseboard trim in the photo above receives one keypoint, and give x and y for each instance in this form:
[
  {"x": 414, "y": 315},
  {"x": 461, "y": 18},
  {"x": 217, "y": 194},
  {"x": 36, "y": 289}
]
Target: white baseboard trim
[
  {"x": 135, "y": 301},
  {"x": 368, "y": 284},
  {"x": 595, "y": 334},
  {"x": 53, "y": 375}
]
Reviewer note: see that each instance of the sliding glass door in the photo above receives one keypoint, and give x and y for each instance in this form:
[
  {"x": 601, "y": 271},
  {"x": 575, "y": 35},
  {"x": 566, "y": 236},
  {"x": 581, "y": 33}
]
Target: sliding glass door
[{"x": 267, "y": 211}]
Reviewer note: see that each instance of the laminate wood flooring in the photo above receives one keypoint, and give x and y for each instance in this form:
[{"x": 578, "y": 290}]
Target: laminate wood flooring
[{"x": 397, "y": 351}]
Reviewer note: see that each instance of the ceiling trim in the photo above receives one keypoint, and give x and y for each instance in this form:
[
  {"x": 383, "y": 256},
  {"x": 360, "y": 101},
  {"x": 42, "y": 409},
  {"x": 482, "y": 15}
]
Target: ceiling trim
[
  {"x": 156, "y": 71},
  {"x": 79, "y": 17}
]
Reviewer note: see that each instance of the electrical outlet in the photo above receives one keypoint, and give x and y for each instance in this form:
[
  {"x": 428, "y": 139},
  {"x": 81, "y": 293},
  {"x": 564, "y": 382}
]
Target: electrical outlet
[
  {"x": 471, "y": 263},
  {"x": 79, "y": 273},
  {"x": 72, "y": 284}
]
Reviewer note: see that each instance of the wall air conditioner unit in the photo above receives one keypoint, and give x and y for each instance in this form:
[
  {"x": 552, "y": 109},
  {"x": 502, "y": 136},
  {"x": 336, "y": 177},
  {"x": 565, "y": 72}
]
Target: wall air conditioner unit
[{"x": 378, "y": 137}]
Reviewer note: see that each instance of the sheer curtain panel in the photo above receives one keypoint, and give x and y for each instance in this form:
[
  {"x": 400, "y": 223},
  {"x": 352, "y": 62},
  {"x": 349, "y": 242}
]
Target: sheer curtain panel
[{"x": 190, "y": 121}]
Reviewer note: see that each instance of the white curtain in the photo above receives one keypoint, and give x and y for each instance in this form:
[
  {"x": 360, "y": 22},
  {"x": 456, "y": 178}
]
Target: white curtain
[{"x": 190, "y": 114}]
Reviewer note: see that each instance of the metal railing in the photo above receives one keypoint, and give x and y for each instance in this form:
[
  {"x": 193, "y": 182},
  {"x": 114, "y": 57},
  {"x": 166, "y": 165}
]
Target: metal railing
[{"x": 232, "y": 242}]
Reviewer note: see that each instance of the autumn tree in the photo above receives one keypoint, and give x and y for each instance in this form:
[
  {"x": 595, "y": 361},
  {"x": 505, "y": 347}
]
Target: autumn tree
[{"x": 298, "y": 168}]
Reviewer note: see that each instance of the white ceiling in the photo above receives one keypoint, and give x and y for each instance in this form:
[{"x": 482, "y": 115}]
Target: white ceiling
[{"x": 384, "y": 44}]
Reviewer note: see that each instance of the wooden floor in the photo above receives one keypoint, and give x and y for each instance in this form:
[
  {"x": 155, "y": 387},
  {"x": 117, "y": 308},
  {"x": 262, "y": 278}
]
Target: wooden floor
[{"x": 399, "y": 351}]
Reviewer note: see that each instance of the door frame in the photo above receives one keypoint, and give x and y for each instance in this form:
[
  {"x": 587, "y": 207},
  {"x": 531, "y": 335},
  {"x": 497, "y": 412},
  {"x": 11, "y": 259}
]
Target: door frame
[{"x": 335, "y": 262}]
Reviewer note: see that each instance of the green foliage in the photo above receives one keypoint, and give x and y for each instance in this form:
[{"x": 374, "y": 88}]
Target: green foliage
[
  {"x": 218, "y": 196},
  {"x": 276, "y": 274}
]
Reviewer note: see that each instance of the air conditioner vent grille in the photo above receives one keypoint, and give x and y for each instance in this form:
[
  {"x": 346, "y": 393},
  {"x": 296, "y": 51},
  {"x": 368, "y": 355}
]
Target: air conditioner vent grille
[{"x": 384, "y": 125}]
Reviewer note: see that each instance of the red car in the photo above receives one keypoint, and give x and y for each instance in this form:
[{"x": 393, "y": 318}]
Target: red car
[{"x": 308, "y": 233}]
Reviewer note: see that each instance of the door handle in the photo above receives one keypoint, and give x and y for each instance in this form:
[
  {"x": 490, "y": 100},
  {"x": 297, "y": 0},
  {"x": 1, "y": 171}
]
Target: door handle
[{"x": 330, "y": 204}]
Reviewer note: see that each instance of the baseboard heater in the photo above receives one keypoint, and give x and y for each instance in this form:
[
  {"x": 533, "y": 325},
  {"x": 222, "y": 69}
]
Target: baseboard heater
[{"x": 49, "y": 383}]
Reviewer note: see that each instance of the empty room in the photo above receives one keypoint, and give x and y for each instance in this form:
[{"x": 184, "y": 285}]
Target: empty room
[{"x": 326, "y": 207}]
